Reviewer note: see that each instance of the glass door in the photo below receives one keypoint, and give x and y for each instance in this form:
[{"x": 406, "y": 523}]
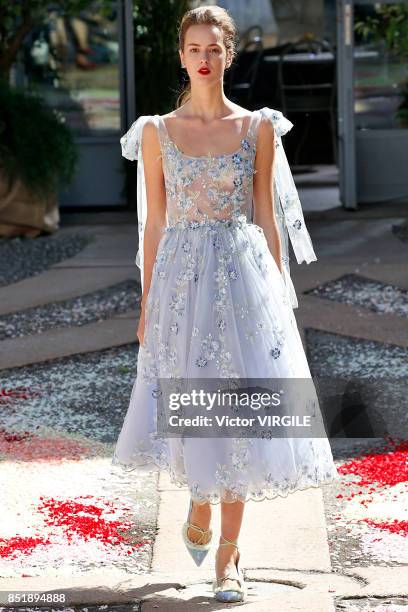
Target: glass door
[
  {"x": 78, "y": 63},
  {"x": 373, "y": 101}
]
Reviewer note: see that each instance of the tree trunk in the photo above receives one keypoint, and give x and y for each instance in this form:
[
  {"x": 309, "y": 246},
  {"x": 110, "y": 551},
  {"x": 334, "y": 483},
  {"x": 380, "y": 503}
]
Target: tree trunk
[{"x": 10, "y": 48}]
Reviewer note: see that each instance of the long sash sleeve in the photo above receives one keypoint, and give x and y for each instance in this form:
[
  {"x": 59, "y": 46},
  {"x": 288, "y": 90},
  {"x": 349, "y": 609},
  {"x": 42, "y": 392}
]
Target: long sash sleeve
[
  {"x": 288, "y": 209},
  {"x": 132, "y": 150}
]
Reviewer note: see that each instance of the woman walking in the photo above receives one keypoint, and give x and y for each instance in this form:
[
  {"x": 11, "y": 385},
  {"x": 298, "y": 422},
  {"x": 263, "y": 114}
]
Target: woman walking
[{"x": 217, "y": 295}]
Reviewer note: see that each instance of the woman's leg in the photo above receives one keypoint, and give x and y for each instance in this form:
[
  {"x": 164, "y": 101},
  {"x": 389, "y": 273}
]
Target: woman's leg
[
  {"x": 231, "y": 521},
  {"x": 201, "y": 517}
]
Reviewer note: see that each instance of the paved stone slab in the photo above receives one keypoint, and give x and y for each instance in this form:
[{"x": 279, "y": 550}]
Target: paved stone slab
[
  {"x": 360, "y": 582},
  {"x": 268, "y": 589},
  {"x": 169, "y": 551},
  {"x": 261, "y": 597},
  {"x": 383, "y": 581},
  {"x": 307, "y": 277},
  {"x": 318, "y": 582},
  {"x": 376, "y": 210},
  {"x": 347, "y": 320},
  {"x": 63, "y": 342},
  {"x": 94, "y": 588},
  {"x": 357, "y": 239},
  {"x": 353, "y": 321},
  {"x": 125, "y": 607},
  {"x": 60, "y": 284},
  {"x": 284, "y": 538},
  {"x": 113, "y": 245}
]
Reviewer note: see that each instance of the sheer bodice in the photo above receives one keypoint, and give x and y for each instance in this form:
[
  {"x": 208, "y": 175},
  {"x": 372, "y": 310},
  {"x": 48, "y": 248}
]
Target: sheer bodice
[
  {"x": 218, "y": 189},
  {"x": 208, "y": 187}
]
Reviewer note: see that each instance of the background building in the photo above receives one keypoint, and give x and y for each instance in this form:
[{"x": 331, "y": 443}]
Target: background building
[{"x": 344, "y": 84}]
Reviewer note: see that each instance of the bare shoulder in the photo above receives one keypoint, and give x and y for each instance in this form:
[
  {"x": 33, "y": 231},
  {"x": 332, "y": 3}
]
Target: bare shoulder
[
  {"x": 175, "y": 114},
  {"x": 177, "y": 117},
  {"x": 239, "y": 112},
  {"x": 266, "y": 128},
  {"x": 265, "y": 145},
  {"x": 266, "y": 136},
  {"x": 149, "y": 128},
  {"x": 150, "y": 139}
]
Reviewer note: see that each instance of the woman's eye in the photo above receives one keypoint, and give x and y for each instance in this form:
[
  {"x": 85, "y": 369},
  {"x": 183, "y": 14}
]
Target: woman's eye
[{"x": 215, "y": 49}]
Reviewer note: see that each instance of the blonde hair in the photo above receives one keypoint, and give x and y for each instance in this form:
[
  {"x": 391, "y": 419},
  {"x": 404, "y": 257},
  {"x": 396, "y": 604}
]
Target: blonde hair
[{"x": 208, "y": 15}]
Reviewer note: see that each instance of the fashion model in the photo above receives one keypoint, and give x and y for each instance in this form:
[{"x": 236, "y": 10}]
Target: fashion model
[{"x": 216, "y": 206}]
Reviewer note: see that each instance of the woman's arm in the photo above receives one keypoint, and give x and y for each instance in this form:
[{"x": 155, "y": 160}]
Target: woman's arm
[
  {"x": 263, "y": 194},
  {"x": 156, "y": 203}
]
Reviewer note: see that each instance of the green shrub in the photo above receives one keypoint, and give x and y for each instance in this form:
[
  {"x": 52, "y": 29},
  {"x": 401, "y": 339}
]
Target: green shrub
[{"x": 35, "y": 145}]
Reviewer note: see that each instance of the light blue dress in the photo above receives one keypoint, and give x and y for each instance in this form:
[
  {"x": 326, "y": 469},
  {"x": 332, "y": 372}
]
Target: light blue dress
[{"x": 218, "y": 307}]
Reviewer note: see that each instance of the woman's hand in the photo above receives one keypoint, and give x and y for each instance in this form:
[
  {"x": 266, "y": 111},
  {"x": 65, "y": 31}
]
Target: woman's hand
[{"x": 141, "y": 326}]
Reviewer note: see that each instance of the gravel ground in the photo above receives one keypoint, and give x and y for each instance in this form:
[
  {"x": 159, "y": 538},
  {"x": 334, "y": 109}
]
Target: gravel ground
[
  {"x": 361, "y": 495},
  {"x": 339, "y": 355},
  {"x": 24, "y": 257},
  {"x": 357, "y": 379},
  {"x": 58, "y": 427},
  {"x": 96, "y": 306},
  {"x": 359, "y": 291},
  {"x": 371, "y": 604},
  {"x": 86, "y": 394}
]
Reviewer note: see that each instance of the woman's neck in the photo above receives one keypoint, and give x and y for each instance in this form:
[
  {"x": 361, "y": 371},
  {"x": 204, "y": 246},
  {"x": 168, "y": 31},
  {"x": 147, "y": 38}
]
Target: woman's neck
[{"x": 209, "y": 104}]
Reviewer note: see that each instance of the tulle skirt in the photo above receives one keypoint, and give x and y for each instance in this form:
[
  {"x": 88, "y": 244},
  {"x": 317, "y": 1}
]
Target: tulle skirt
[{"x": 218, "y": 308}]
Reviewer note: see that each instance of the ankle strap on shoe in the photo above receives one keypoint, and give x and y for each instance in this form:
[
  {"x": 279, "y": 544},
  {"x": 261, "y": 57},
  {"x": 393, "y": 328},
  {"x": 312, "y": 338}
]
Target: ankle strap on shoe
[
  {"x": 200, "y": 529},
  {"x": 234, "y": 543}
]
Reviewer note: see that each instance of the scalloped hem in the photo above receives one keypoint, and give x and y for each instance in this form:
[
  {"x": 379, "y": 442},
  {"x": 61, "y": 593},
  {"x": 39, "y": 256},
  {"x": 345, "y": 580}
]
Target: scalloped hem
[{"x": 214, "y": 498}]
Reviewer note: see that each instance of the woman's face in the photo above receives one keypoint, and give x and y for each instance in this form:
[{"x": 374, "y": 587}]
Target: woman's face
[{"x": 204, "y": 48}]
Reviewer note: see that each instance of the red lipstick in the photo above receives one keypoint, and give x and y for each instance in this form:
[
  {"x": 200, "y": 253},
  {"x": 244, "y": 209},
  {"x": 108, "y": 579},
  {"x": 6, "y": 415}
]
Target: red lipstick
[{"x": 204, "y": 70}]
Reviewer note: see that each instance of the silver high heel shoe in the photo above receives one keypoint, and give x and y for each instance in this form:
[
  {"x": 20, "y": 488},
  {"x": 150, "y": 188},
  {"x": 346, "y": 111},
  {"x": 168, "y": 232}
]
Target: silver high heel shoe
[
  {"x": 230, "y": 594},
  {"x": 197, "y": 551}
]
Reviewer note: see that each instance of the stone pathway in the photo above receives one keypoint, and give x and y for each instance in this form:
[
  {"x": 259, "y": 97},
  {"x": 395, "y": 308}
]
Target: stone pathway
[{"x": 65, "y": 388}]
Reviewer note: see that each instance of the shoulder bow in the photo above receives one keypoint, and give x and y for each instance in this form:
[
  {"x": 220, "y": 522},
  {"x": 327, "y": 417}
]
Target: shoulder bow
[
  {"x": 131, "y": 149},
  {"x": 288, "y": 209}
]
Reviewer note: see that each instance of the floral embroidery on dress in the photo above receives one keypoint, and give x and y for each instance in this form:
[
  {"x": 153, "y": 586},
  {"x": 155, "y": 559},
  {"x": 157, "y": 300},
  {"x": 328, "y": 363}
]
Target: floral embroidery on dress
[{"x": 218, "y": 307}]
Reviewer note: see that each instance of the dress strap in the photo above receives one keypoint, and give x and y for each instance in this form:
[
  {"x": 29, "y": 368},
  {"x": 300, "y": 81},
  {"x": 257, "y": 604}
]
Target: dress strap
[
  {"x": 253, "y": 128},
  {"x": 161, "y": 128},
  {"x": 252, "y": 136},
  {"x": 163, "y": 134},
  {"x": 250, "y": 133}
]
